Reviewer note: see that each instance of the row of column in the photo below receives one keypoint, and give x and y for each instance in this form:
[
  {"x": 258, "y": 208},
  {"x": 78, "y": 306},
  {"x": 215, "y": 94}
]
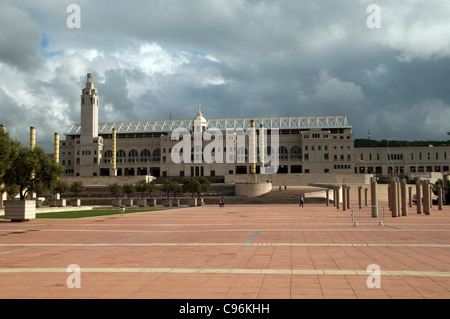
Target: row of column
[
  {"x": 346, "y": 197},
  {"x": 397, "y": 198}
]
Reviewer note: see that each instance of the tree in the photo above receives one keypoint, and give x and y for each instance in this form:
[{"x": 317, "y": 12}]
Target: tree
[
  {"x": 59, "y": 187},
  {"x": 141, "y": 187},
  {"x": 144, "y": 187},
  {"x": 76, "y": 187},
  {"x": 40, "y": 189},
  {"x": 8, "y": 149},
  {"x": 176, "y": 189},
  {"x": 12, "y": 190},
  {"x": 191, "y": 185},
  {"x": 167, "y": 187},
  {"x": 151, "y": 187},
  {"x": 205, "y": 185},
  {"x": 116, "y": 190},
  {"x": 128, "y": 189},
  {"x": 29, "y": 167}
]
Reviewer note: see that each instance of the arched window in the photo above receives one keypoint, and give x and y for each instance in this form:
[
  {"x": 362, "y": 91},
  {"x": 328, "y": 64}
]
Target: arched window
[
  {"x": 121, "y": 156},
  {"x": 156, "y": 155},
  {"x": 241, "y": 154},
  {"x": 296, "y": 153},
  {"x": 146, "y": 155},
  {"x": 283, "y": 153},
  {"x": 132, "y": 156}
]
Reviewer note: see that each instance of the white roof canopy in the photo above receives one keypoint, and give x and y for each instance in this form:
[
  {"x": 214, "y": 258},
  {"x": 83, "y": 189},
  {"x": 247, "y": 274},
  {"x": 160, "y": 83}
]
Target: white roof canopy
[{"x": 330, "y": 122}]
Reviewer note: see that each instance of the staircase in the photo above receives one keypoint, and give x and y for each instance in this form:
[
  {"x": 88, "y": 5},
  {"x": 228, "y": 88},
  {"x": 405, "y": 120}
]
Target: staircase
[
  {"x": 100, "y": 196},
  {"x": 289, "y": 196}
]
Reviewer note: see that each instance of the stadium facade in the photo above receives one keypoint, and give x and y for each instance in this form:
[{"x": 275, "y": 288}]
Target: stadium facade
[{"x": 305, "y": 145}]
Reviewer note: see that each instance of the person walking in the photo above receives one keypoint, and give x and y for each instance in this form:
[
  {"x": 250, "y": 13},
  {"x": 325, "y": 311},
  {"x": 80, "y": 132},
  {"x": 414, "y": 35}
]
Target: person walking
[
  {"x": 222, "y": 202},
  {"x": 301, "y": 201}
]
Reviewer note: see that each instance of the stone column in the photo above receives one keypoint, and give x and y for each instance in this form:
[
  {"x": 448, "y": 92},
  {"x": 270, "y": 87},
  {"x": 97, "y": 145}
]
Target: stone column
[
  {"x": 334, "y": 197},
  {"x": 338, "y": 200},
  {"x": 419, "y": 196},
  {"x": 261, "y": 146},
  {"x": 252, "y": 147},
  {"x": 440, "y": 200},
  {"x": 56, "y": 148},
  {"x": 344, "y": 197},
  {"x": 410, "y": 196},
  {"x": 32, "y": 138},
  {"x": 399, "y": 197},
  {"x": 426, "y": 198},
  {"x": 348, "y": 197},
  {"x": 114, "y": 154},
  {"x": 403, "y": 196},
  {"x": 366, "y": 197},
  {"x": 390, "y": 199},
  {"x": 328, "y": 197},
  {"x": 359, "y": 196},
  {"x": 394, "y": 196},
  {"x": 445, "y": 189},
  {"x": 374, "y": 197}
]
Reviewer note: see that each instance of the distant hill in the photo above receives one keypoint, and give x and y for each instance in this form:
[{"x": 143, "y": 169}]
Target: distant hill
[{"x": 359, "y": 143}]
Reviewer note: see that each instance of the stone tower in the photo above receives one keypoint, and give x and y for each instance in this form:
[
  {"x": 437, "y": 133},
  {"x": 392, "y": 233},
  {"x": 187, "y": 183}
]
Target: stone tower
[
  {"x": 89, "y": 149},
  {"x": 89, "y": 109}
]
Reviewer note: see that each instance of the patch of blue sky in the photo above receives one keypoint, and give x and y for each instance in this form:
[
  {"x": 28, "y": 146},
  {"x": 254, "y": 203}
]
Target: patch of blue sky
[{"x": 44, "y": 45}]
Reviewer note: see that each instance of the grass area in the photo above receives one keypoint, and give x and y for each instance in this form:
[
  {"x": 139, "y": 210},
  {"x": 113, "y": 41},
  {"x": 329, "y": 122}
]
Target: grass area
[{"x": 89, "y": 213}]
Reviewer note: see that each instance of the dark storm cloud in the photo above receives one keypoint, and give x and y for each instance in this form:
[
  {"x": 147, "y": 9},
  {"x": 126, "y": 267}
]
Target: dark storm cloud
[
  {"x": 156, "y": 59},
  {"x": 20, "y": 39}
]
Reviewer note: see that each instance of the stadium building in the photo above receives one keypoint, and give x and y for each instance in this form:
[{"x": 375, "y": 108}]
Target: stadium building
[{"x": 306, "y": 145}]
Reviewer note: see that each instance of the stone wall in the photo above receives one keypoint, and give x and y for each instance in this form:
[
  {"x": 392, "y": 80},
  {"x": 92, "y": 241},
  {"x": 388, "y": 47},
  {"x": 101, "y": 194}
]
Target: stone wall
[
  {"x": 105, "y": 180},
  {"x": 302, "y": 179},
  {"x": 252, "y": 189}
]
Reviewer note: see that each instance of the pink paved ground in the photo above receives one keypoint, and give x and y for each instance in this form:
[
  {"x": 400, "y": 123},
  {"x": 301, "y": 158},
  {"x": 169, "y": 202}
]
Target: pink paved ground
[{"x": 240, "y": 251}]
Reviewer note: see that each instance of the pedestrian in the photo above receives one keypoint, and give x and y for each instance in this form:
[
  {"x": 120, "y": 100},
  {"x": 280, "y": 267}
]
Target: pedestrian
[
  {"x": 280, "y": 188},
  {"x": 285, "y": 187},
  {"x": 301, "y": 201},
  {"x": 222, "y": 202}
]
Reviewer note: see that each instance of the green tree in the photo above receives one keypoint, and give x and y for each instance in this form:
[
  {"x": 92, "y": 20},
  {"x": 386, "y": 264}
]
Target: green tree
[
  {"x": 76, "y": 187},
  {"x": 29, "y": 167},
  {"x": 167, "y": 187},
  {"x": 151, "y": 187},
  {"x": 59, "y": 187},
  {"x": 144, "y": 187},
  {"x": 128, "y": 189},
  {"x": 40, "y": 189},
  {"x": 191, "y": 185},
  {"x": 11, "y": 190},
  {"x": 116, "y": 190},
  {"x": 205, "y": 185},
  {"x": 176, "y": 189},
  {"x": 8, "y": 151},
  {"x": 141, "y": 187}
]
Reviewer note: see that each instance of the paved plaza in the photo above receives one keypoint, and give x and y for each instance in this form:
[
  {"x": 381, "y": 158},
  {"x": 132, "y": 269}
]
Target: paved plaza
[{"x": 238, "y": 252}]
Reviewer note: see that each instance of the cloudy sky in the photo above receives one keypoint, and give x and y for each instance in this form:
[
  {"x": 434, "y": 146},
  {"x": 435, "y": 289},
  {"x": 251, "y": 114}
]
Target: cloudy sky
[{"x": 237, "y": 58}]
